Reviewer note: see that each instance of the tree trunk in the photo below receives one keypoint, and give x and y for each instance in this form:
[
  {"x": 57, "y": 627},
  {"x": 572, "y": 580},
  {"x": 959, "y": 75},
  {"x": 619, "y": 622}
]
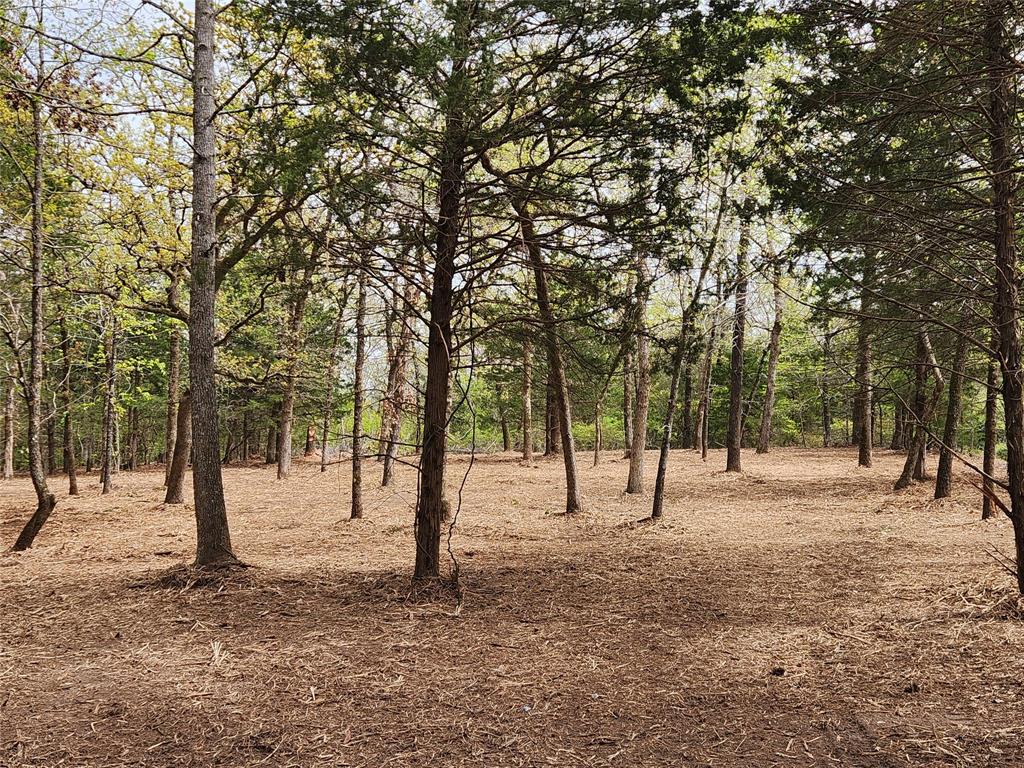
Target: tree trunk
[
  {"x": 293, "y": 345},
  {"x": 774, "y": 350},
  {"x": 213, "y": 539},
  {"x": 1002, "y": 73},
  {"x": 573, "y": 498},
  {"x": 635, "y": 480},
  {"x": 687, "y": 425},
  {"x": 173, "y": 387},
  {"x": 988, "y": 509},
  {"x": 310, "y": 448},
  {"x": 66, "y": 401},
  {"x": 924, "y": 409},
  {"x": 358, "y": 390},
  {"x": 627, "y": 402},
  {"x": 552, "y": 437},
  {"x": 657, "y": 509},
  {"x": 182, "y": 448},
  {"x": 394, "y": 403},
  {"x": 734, "y": 436},
  {"x": 271, "y": 451},
  {"x": 45, "y": 501},
  {"x": 10, "y": 404},
  {"x": 826, "y": 394},
  {"x": 329, "y": 383},
  {"x": 527, "y": 427},
  {"x": 898, "y": 419},
  {"x": 506, "y": 438},
  {"x": 109, "y": 407},
  {"x": 944, "y": 474}
]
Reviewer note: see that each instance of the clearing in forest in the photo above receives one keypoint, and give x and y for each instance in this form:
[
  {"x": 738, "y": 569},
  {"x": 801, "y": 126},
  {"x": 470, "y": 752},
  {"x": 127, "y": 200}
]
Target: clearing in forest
[{"x": 799, "y": 614}]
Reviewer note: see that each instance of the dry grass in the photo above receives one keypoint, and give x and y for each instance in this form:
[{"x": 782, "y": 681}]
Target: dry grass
[{"x": 802, "y": 614}]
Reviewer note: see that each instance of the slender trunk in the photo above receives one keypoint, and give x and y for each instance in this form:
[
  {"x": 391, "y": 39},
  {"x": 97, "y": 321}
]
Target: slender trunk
[
  {"x": 50, "y": 418},
  {"x": 45, "y": 501},
  {"x": 734, "y": 436},
  {"x": 657, "y": 509},
  {"x": 271, "y": 451},
  {"x": 627, "y": 402},
  {"x": 310, "y": 448},
  {"x": 109, "y": 407},
  {"x": 506, "y": 438},
  {"x": 357, "y": 401},
  {"x": 687, "y": 425},
  {"x": 826, "y": 394},
  {"x": 774, "y": 350},
  {"x": 182, "y": 448},
  {"x": 988, "y": 509},
  {"x": 394, "y": 403},
  {"x": 573, "y": 498},
  {"x": 635, "y": 480},
  {"x": 293, "y": 347},
  {"x": 329, "y": 386},
  {"x": 10, "y": 404},
  {"x": 897, "y": 426},
  {"x": 133, "y": 425},
  {"x": 924, "y": 409},
  {"x": 66, "y": 400},
  {"x": 244, "y": 452},
  {"x": 431, "y": 502},
  {"x": 213, "y": 538},
  {"x": 173, "y": 387},
  {"x": 527, "y": 427},
  {"x": 944, "y": 474},
  {"x": 552, "y": 437},
  {"x": 1002, "y": 68}
]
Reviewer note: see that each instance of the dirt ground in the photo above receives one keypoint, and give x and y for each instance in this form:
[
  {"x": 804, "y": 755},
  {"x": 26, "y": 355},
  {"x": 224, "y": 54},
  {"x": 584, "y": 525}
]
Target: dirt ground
[{"x": 800, "y": 614}]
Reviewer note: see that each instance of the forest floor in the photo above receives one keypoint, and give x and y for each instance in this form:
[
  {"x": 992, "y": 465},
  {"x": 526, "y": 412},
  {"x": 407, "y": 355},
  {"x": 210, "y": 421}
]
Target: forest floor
[{"x": 800, "y": 614}]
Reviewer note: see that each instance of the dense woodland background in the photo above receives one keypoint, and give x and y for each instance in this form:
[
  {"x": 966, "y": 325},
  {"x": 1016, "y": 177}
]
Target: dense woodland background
[{"x": 384, "y": 232}]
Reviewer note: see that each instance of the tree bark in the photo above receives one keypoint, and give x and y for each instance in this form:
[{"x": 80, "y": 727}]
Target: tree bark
[
  {"x": 293, "y": 346},
  {"x": 635, "y": 479},
  {"x": 329, "y": 383},
  {"x": 182, "y": 448},
  {"x": 527, "y": 426},
  {"x": 556, "y": 367},
  {"x": 988, "y": 509},
  {"x": 1002, "y": 73},
  {"x": 734, "y": 435},
  {"x": 924, "y": 407},
  {"x": 774, "y": 350},
  {"x": 394, "y": 403},
  {"x": 358, "y": 391},
  {"x": 213, "y": 538},
  {"x": 107, "y": 467},
  {"x": 66, "y": 402},
  {"x": 431, "y": 502},
  {"x": 45, "y": 501},
  {"x": 173, "y": 381},
  {"x": 10, "y": 404},
  {"x": 944, "y": 474}
]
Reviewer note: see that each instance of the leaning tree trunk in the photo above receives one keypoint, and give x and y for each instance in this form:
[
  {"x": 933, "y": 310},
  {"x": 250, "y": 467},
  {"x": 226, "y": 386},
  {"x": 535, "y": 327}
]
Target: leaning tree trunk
[
  {"x": 573, "y": 498},
  {"x": 178, "y": 464},
  {"x": 358, "y": 391},
  {"x": 774, "y": 349},
  {"x": 988, "y": 509},
  {"x": 213, "y": 539},
  {"x": 734, "y": 434},
  {"x": 66, "y": 400},
  {"x": 658, "y": 506},
  {"x": 45, "y": 501},
  {"x": 527, "y": 426},
  {"x": 635, "y": 480},
  {"x": 944, "y": 474},
  {"x": 1002, "y": 69}
]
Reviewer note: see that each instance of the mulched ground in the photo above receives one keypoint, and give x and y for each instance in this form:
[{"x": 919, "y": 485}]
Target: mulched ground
[{"x": 801, "y": 614}]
